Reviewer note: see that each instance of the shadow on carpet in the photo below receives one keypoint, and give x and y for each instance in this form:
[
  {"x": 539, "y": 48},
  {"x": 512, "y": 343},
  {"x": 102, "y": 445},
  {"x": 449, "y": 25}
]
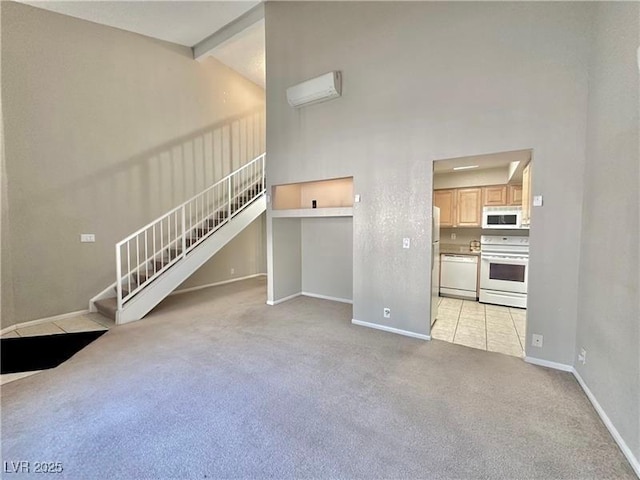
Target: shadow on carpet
[{"x": 40, "y": 353}]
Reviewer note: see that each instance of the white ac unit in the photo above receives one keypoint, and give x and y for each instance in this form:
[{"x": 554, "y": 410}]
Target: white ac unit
[{"x": 319, "y": 89}]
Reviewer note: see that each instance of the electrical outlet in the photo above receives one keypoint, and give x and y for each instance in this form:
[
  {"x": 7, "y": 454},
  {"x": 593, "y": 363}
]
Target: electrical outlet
[
  {"x": 453, "y": 236},
  {"x": 233, "y": 270},
  {"x": 406, "y": 243},
  {"x": 386, "y": 312},
  {"x": 536, "y": 340},
  {"x": 87, "y": 237},
  {"x": 582, "y": 358}
]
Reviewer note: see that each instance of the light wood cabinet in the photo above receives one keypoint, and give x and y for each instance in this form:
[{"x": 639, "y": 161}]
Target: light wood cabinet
[
  {"x": 445, "y": 200},
  {"x": 526, "y": 195},
  {"x": 514, "y": 195},
  {"x": 459, "y": 207},
  {"x": 469, "y": 207},
  {"x": 495, "y": 196}
]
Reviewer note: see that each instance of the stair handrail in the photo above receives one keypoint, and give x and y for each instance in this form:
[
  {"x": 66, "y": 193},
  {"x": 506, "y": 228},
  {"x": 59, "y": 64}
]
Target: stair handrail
[{"x": 245, "y": 179}]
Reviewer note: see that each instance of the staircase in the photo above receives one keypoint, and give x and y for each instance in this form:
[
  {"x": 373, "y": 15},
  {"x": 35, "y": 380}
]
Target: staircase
[{"x": 153, "y": 261}]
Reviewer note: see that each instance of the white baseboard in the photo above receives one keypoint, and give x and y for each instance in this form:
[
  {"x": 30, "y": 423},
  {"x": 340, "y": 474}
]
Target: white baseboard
[
  {"x": 216, "y": 284},
  {"x": 635, "y": 464},
  {"x": 384, "y": 328},
  {"x": 281, "y": 300},
  {"x": 40, "y": 321},
  {"x": 546, "y": 363},
  {"x": 628, "y": 453},
  {"x": 327, "y": 297}
]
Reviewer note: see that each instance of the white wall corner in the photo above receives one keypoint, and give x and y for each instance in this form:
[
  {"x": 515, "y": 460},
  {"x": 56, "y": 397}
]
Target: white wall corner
[
  {"x": 628, "y": 453},
  {"x": 546, "y": 363},
  {"x": 385, "y": 328}
]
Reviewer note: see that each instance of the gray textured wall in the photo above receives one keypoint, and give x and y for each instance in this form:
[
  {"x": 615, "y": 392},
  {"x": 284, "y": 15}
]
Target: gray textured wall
[
  {"x": 327, "y": 256},
  {"x": 104, "y": 131},
  {"x": 426, "y": 81},
  {"x": 284, "y": 257},
  {"x": 609, "y": 305}
]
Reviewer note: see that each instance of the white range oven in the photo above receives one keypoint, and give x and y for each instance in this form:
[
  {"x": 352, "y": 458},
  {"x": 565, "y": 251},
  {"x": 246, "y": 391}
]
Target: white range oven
[{"x": 504, "y": 270}]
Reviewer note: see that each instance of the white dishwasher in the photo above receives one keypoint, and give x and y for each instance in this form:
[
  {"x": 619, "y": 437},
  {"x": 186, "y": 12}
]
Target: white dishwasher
[{"x": 459, "y": 276}]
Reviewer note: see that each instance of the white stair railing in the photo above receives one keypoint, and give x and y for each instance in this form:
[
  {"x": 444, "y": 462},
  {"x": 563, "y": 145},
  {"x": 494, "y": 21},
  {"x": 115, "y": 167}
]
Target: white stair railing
[{"x": 147, "y": 253}]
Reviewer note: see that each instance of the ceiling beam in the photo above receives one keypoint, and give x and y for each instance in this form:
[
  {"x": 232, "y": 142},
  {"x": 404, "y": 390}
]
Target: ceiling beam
[{"x": 204, "y": 48}]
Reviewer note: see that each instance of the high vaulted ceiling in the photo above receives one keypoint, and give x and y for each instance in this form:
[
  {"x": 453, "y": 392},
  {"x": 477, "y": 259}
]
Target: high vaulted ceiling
[{"x": 182, "y": 22}]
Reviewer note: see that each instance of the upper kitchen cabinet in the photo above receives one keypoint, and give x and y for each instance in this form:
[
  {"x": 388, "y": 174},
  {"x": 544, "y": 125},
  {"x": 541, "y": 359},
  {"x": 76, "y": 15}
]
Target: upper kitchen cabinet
[
  {"x": 469, "y": 207},
  {"x": 514, "y": 195},
  {"x": 495, "y": 196},
  {"x": 445, "y": 200}
]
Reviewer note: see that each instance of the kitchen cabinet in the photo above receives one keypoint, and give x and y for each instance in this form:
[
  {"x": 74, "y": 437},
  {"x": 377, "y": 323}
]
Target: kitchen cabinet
[
  {"x": 514, "y": 195},
  {"x": 459, "y": 207},
  {"x": 495, "y": 196},
  {"x": 526, "y": 195},
  {"x": 445, "y": 200},
  {"x": 469, "y": 207}
]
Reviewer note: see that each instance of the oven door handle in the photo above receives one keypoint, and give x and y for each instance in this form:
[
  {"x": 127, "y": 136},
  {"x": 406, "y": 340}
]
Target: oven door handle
[{"x": 519, "y": 260}]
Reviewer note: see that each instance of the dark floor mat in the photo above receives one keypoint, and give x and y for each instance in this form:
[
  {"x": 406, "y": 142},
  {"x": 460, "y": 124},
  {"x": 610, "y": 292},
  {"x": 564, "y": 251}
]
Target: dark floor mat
[{"x": 39, "y": 353}]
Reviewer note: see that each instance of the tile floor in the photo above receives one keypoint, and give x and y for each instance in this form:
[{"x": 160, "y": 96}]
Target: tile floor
[
  {"x": 478, "y": 325},
  {"x": 82, "y": 323}
]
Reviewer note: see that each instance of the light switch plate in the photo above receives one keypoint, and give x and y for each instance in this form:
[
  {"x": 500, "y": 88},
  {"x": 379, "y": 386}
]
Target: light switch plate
[
  {"x": 87, "y": 237},
  {"x": 357, "y": 199},
  {"x": 406, "y": 243},
  {"x": 537, "y": 200}
]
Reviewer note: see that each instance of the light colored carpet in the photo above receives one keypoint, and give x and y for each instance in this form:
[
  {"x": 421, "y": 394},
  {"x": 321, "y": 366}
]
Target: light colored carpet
[{"x": 215, "y": 384}]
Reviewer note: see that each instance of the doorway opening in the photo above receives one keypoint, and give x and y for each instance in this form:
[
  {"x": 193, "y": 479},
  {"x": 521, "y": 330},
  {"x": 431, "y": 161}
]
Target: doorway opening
[{"x": 480, "y": 260}]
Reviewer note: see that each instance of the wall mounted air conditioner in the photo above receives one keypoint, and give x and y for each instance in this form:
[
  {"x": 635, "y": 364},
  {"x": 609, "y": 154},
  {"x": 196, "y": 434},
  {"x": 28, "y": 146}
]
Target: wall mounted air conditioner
[{"x": 319, "y": 89}]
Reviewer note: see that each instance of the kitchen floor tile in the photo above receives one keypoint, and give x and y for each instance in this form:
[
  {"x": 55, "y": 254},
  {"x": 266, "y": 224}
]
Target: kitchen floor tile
[
  {"x": 450, "y": 321},
  {"x": 500, "y": 320},
  {"x": 520, "y": 326},
  {"x": 448, "y": 314},
  {"x": 451, "y": 301},
  {"x": 449, "y": 306},
  {"x": 42, "y": 329},
  {"x": 484, "y": 326},
  {"x": 497, "y": 314},
  {"x": 496, "y": 308},
  {"x": 471, "y": 323},
  {"x": 443, "y": 332},
  {"x": 476, "y": 330},
  {"x": 507, "y": 348},
  {"x": 473, "y": 341},
  {"x": 472, "y": 306},
  {"x": 472, "y": 316},
  {"x": 507, "y": 338},
  {"x": 501, "y": 329}
]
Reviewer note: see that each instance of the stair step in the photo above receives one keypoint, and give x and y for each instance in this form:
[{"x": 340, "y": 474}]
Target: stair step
[
  {"x": 107, "y": 307},
  {"x": 143, "y": 276},
  {"x": 214, "y": 222}
]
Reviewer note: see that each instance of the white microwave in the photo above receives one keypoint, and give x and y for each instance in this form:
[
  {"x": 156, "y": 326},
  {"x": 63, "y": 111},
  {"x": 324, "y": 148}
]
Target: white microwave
[{"x": 502, "y": 217}]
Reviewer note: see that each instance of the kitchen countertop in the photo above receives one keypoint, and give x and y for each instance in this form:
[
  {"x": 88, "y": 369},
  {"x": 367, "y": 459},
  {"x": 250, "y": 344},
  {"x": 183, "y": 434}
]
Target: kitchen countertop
[{"x": 457, "y": 249}]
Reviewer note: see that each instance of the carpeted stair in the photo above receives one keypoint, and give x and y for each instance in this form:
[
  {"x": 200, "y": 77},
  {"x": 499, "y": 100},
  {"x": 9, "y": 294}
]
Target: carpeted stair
[{"x": 109, "y": 306}]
